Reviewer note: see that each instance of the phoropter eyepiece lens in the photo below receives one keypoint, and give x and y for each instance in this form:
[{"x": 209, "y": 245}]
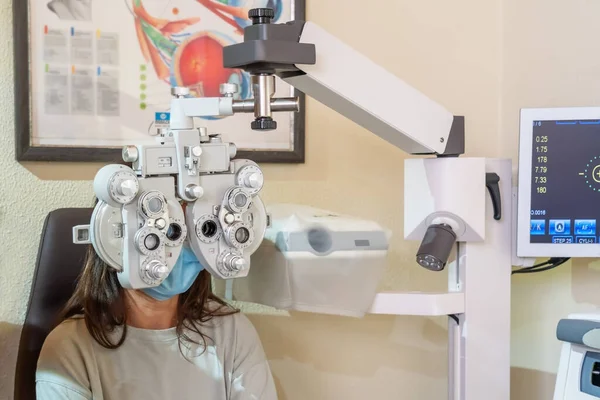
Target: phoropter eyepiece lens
[
  {"x": 240, "y": 200},
  {"x": 242, "y": 235},
  {"x": 209, "y": 229},
  {"x": 151, "y": 242},
  {"x": 155, "y": 205},
  {"x": 174, "y": 232}
]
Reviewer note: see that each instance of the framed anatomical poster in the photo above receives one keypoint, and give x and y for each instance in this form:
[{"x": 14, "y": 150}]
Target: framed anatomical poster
[{"x": 91, "y": 76}]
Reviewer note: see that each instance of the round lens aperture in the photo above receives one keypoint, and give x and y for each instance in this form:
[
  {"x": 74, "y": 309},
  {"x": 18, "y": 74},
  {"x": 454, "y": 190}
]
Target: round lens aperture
[
  {"x": 209, "y": 228},
  {"x": 239, "y": 235},
  {"x": 174, "y": 232},
  {"x": 242, "y": 235},
  {"x": 240, "y": 200},
  {"x": 151, "y": 242},
  {"x": 152, "y": 204},
  {"x": 155, "y": 205}
]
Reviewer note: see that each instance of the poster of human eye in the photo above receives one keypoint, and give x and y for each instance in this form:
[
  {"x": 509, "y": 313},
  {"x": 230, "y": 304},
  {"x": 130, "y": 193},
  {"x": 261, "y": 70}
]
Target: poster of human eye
[{"x": 91, "y": 76}]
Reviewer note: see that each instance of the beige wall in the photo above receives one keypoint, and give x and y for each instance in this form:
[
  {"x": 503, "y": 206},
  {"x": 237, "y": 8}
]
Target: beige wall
[
  {"x": 481, "y": 59},
  {"x": 549, "y": 60}
]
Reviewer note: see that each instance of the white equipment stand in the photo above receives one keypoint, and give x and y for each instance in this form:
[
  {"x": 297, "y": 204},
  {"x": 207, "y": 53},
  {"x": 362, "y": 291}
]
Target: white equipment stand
[
  {"x": 444, "y": 190},
  {"x": 479, "y": 296}
]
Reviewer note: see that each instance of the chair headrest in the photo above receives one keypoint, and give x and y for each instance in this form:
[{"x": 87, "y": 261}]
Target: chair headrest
[{"x": 57, "y": 268}]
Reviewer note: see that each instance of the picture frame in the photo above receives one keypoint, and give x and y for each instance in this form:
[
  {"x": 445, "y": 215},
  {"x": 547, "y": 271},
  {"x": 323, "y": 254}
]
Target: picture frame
[{"x": 64, "y": 111}]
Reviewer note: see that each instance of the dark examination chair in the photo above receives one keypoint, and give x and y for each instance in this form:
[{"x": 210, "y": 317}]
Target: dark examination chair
[{"x": 57, "y": 267}]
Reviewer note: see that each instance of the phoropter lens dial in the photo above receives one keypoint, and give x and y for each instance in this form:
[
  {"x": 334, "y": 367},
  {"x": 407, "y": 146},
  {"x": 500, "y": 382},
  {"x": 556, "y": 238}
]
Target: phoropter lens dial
[
  {"x": 149, "y": 241},
  {"x": 152, "y": 204},
  {"x": 238, "y": 200},
  {"x": 239, "y": 235}
]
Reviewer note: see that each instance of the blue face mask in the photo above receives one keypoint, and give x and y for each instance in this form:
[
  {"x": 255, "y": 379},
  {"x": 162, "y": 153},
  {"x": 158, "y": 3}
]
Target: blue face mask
[{"x": 181, "y": 278}]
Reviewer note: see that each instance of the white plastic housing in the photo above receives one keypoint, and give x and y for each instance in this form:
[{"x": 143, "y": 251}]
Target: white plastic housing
[
  {"x": 184, "y": 109},
  {"x": 450, "y": 190},
  {"x": 339, "y": 274},
  {"x": 356, "y": 87},
  {"x": 418, "y": 303},
  {"x": 568, "y": 378}
]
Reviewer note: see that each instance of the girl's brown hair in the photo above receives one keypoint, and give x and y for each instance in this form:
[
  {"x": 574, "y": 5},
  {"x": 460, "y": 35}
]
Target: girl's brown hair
[{"x": 100, "y": 298}]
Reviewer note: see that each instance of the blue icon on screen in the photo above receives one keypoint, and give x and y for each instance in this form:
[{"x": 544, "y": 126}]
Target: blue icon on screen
[
  {"x": 585, "y": 227},
  {"x": 560, "y": 227},
  {"x": 538, "y": 227}
]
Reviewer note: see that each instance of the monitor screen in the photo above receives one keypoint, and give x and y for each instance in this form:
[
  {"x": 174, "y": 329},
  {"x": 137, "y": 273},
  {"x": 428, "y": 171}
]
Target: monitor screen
[{"x": 559, "y": 183}]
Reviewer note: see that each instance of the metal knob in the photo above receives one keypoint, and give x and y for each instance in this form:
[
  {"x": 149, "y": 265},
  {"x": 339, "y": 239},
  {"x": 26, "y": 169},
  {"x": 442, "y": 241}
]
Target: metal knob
[
  {"x": 130, "y": 154},
  {"x": 128, "y": 188},
  {"x": 254, "y": 180},
  {"x": 197, "y": 151},
  {"x": 235, "y": 263},
  {"x": 239, "y": 264},
  {"x": 194, "y": 191},
  {"x": 160, "y": 223},
  {"x": 156, "y": 270},
  {"x": 263, "y": 124},
  {"x": 179, "y": 91},
  {"x": 228, "y": 89},
  {"x": 261, "y": 15},
  {"x": 229, "y": 218},
  {"x": 232, "y": 151}
]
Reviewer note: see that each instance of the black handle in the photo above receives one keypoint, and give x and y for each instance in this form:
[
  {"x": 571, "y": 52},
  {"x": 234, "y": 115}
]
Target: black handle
[{"x": 491, "y": 182}]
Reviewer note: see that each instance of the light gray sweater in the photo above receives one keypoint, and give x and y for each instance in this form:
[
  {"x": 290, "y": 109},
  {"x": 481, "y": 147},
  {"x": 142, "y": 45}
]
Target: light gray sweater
[{"x": 149, "y": 365}]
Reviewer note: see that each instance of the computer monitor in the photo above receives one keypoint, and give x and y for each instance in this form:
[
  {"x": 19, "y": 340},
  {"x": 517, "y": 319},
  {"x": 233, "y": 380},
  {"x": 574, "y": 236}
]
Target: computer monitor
[{"x": 559, "y": 183}]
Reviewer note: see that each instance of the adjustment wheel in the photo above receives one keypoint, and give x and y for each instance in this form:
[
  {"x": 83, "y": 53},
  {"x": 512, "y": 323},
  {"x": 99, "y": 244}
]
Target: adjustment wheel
[
  {"x": 261, "y": 15},
  {"x": 263, "y": 124}
]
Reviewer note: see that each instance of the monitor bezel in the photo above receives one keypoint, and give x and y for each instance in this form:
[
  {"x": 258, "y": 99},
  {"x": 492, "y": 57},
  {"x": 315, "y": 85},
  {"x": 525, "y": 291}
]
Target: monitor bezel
[{"x": 524, "y": 247}]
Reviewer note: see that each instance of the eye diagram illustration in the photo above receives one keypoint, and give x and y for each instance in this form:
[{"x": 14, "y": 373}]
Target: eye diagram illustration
[
  {"x": 182, "y": 53},
  {"x": 235, "y": 12},
  {"x": 71, "y": 10}
]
